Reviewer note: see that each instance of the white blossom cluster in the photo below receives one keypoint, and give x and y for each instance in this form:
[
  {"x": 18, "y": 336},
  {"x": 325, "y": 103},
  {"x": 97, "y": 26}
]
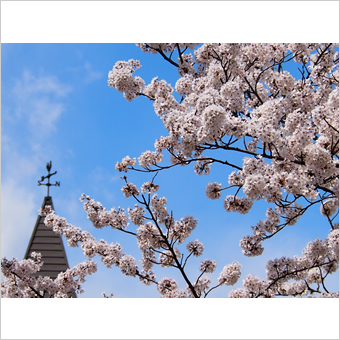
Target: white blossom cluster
[
  {"x": 130, "y": 190},
  {"x": 240, "y": 97},
  {"x": 122, "y": 80},
  {"x": 136, "y": 215},
  {"x": 208, "y": 266},
  {"x": 230, "y": 274},
  {"x": 149, "y": 188},
  {"x": 151, "y": 239},
  {"x": 111, "y": 254},
  {"x": 166, "y": 258},
  {"x": 241, "y": 205},
  {"x": 166, "y": 285},
  {"x": 201, "y": 286},
  {"x": 20, "y": 282},
  {"x": 149, "y": 158},
  {"x": 182, "y": 229},
  {"x": 159, "y": 209},
  {"x": 148, "y": 236},
  {"x": 297, "y": 276},
  {"x": 125, "y": 163},
  {"x": 195, "y": 247},
  {"x": 213, "y": 190},
  {"x": 100, "y": 217}
]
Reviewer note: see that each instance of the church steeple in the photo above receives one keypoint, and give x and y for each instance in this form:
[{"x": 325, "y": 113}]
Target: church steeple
[{"x": 45, "y": 241}]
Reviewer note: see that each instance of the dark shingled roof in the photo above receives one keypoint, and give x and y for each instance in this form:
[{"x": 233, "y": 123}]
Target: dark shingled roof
[{"x": 45, "y": 241}]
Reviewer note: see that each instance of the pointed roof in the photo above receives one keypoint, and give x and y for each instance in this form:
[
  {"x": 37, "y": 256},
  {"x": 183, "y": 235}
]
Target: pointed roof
[{"x": 45, "y": 241}]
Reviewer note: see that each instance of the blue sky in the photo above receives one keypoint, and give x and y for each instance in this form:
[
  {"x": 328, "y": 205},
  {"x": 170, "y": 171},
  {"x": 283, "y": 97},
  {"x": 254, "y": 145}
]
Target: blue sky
[{"x": 56, "y": 105}]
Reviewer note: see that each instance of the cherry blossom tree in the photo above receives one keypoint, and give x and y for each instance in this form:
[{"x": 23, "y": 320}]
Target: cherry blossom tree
[{"x": 231, "y": 99}]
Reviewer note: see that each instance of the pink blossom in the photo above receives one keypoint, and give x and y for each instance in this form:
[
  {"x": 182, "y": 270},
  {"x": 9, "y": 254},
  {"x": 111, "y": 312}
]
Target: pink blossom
[{"x": 230, "y": 274}]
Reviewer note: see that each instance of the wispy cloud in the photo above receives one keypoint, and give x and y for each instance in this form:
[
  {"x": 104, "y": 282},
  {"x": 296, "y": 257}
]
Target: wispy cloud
[
  {"x": 39, "y": 100},
  {"x": 85, "y": 71},
  {"x": 31, "y": 85},
  {"x": 91, "y": 75},
  {"x": 33, "y": 106},
  {"x": 18, "y": 214}
]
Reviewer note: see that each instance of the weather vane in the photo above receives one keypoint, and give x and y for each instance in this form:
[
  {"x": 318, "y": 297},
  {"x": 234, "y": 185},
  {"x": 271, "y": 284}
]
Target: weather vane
[{"x": 48, "y": 184}]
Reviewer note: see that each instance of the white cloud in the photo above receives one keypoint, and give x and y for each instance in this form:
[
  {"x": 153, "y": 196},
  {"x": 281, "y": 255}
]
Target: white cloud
[
  {"x": 37, "y": 103},
  {"x": 31, "y": 85},
  {"x": 38, "y": 99},
  {"x": 90, "y": 74},
  {"x": 19, "y": 211},
  {"x": 85, "y": 71},
  {"x": 18, "y": 165},
  {"x": 44, "y": 114}
]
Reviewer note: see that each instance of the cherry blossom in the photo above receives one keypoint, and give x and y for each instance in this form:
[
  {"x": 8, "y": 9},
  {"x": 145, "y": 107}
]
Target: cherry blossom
[
  {"x": 213, "y": 190},
  {"x": 229, "y": 98},
  {"x": 166, "y": 284},
  {"x": 241, "y": 92},
  {"x": 298, "y": 276},
  {"x": 159, "y": 236},
  {"x": 208, "y": 266},
  {"x": 230, "y": 274},
  {"x": 20, "y": 281},
  {"x": 196, "y": 248}
]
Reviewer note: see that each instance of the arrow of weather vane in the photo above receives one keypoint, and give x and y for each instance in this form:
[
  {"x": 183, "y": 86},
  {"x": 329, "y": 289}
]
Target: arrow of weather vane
[{"x": 48, "y": 184}]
